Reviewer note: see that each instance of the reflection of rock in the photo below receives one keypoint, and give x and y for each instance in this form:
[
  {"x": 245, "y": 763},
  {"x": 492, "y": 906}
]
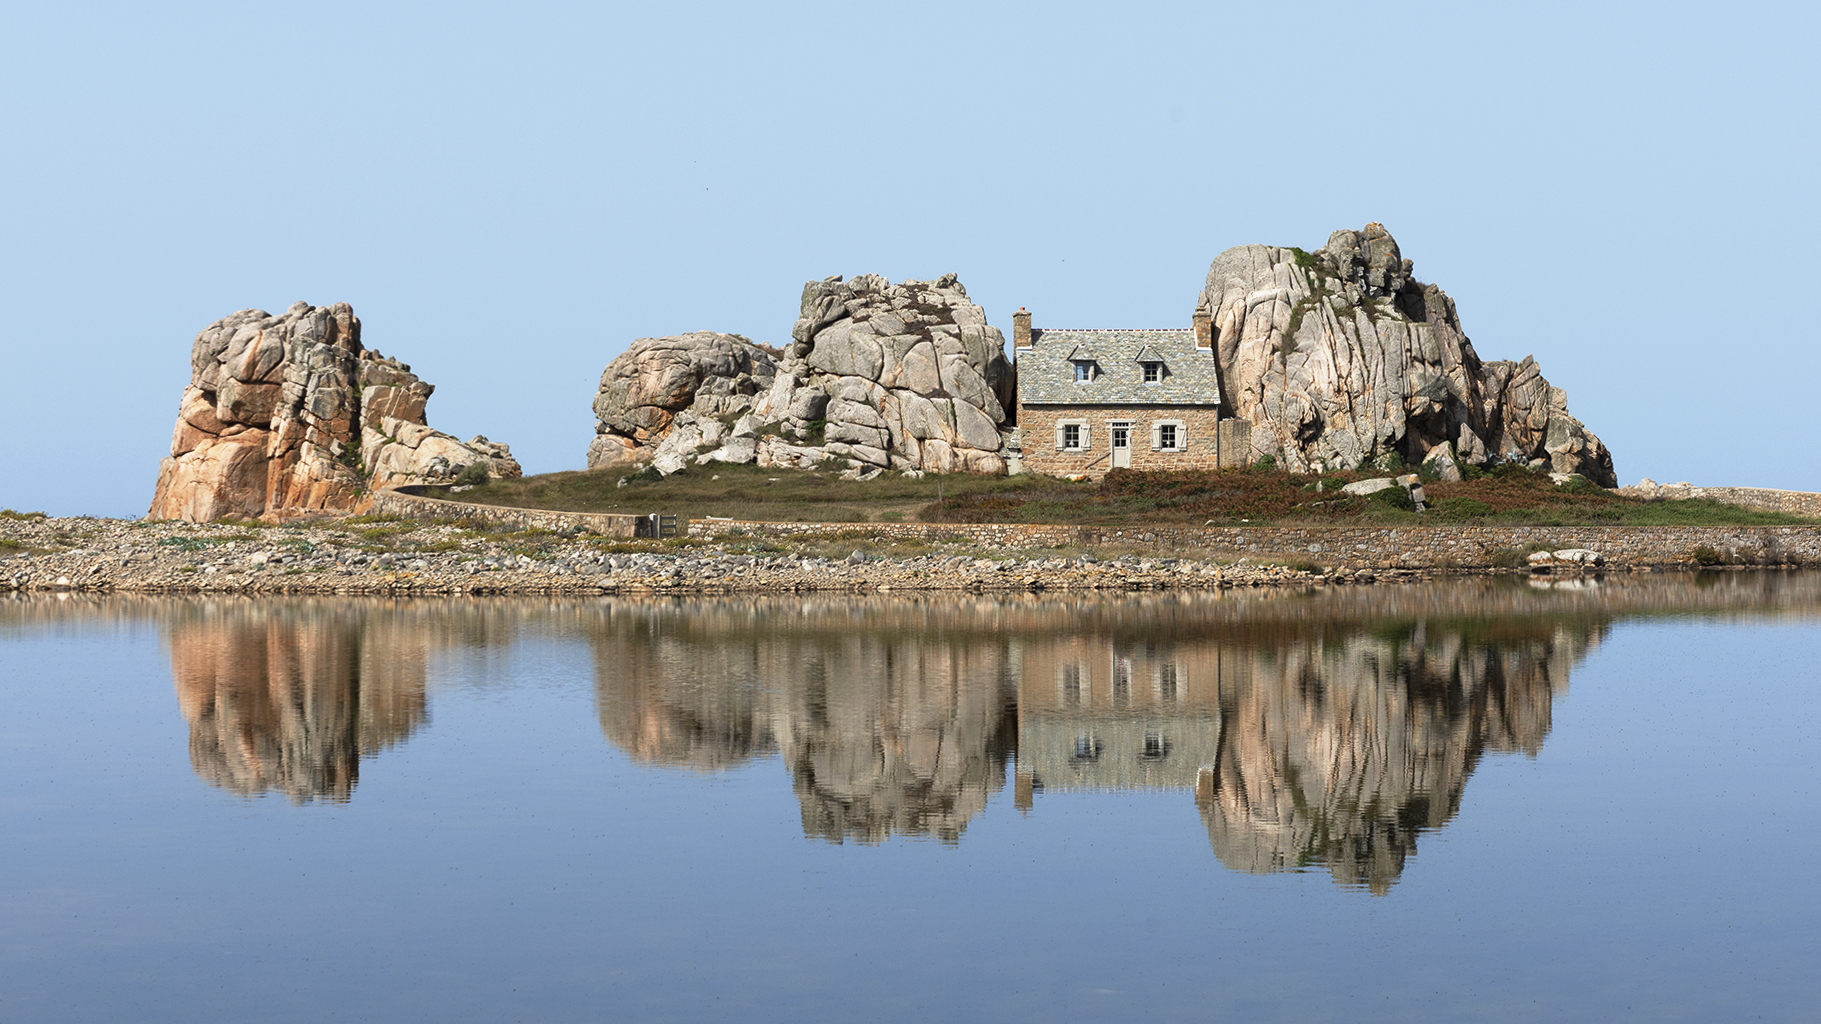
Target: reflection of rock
[
  {"x": 894, "y": 735},
  {"x": 290, "y": 702},
  {"x": 886, "y": 730},
  {"x": 1318, "y": 729},
  {"x": 1340, "y": 751}
]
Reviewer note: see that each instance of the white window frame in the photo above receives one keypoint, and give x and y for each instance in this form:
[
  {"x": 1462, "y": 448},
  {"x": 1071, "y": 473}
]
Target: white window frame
[
  {"x": 1083, "y": 435},
  {"x": 1179, "y": 428},
  {"x": 1085, "y": 371},
  {"x": 1153, "y": 372}
]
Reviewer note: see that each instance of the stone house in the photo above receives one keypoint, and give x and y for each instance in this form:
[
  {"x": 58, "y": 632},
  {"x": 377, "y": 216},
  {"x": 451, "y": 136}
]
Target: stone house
[{"x": 1094, "y": 400}]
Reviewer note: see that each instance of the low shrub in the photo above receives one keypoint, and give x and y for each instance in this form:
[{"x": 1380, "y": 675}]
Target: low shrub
[
  {"x": 1395, "y": 497},
  {"x": 1460, "y": 508}
]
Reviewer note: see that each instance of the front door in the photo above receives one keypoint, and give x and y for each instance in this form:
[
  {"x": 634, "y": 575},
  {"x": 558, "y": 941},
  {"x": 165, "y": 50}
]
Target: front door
[{"x": 1122, "y": 446}]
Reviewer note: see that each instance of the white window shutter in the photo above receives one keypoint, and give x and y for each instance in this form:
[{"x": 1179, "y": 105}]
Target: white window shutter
[
  {"x": 1156, "y": 436},
  {"x": 1059, "y": 427},
  {"x": 1182, "y": 436},
  {"x": 1087, "y": 436}
]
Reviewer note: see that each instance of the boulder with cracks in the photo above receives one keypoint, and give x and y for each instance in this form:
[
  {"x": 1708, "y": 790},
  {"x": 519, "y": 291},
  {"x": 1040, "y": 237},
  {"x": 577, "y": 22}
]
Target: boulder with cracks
[
  {"x": 1341, "y": 357},
  {"x": 291, "y": 414}
]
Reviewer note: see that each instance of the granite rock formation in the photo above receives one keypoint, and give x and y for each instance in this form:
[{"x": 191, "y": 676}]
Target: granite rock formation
[
  {"x": 878, "y": 376},
  {"x": 1340, "y": 356},
  {"x": 291, "y": 414},
  {"x": 695, "y": 378}
]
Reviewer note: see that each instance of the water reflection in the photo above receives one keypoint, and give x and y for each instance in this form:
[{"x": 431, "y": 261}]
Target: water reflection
[
  {"x": 1340, "y": 751},
  {"x": 1309, "y": 730},
  {"x": 891, "y": 720},
  {"x": 288, "y": 699},
  {"x": 1323, "y": 730}
]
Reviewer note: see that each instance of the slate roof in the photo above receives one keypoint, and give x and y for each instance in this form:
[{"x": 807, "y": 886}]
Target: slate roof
[{"x": 1046, "y": 374}]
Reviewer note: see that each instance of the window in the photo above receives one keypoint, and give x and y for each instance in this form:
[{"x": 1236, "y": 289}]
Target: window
[
  {"x": 1168, "y": 436},
  {"x": 1166, "y": 683},
  {"x": 1153, "y": 373},
  {"x": 1156, "y": 746},
  {"x": 1072, "y": 435},
  {"x": 1084, "y": 369}
]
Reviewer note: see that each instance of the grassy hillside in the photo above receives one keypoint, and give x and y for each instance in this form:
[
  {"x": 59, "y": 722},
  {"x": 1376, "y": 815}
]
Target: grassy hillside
[{"x": 1509, "y": 495}]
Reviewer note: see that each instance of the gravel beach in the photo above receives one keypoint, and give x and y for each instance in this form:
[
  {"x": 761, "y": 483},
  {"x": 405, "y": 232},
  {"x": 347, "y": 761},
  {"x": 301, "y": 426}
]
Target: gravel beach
[{"x": 364, "y": 555}]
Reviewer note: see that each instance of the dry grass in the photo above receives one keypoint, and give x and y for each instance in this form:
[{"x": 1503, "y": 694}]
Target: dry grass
[{"x": 1510, "y": 495}]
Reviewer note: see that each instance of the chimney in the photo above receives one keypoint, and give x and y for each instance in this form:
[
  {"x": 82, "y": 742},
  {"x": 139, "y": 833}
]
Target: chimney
[
  {"x": 1021, "y": 329},
  {"x": 1204, "y": 324}
]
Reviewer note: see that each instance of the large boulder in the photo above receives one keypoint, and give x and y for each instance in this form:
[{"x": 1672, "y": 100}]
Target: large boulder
[
  {"x": 1341, "y": 356},
  {"x": 287, "y": 414},
  {"x": 645, "y": 388},
  {"x": 905, "y": 376}
]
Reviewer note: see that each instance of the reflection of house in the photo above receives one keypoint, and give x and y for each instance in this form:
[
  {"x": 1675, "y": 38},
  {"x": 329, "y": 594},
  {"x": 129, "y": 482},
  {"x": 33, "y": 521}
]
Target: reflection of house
[
  {"x": 1326, "y": 732},
  {"x": 1112, "y": 716},
  {"x": 1094, "y": 400}
]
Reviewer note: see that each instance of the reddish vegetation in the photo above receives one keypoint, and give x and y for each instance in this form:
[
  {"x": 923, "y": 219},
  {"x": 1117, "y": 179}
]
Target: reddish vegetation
[{"x": 1508, "y": 494}]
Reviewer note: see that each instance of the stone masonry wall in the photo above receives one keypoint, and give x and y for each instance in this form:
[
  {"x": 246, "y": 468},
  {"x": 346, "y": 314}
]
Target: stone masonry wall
[
  {"x": 1796, "y": 503},
  {"x": 1410, "y": 547},
  {"x": 1198, "y": 440},
  {"x": 417, "y": 506}
]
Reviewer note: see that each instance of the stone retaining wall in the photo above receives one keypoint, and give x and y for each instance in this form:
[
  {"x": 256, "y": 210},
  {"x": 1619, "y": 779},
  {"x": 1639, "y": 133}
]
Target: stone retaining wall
[
  {"x": 1350, "y": 546},
  {"x": 1796, "y": 503},
  {"x": 418, "y": 506},
  {"x": 1353, "y": 546}
]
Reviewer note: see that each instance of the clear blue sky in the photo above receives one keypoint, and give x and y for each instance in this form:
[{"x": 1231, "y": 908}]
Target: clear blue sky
[{"x": 510, "y": 195}]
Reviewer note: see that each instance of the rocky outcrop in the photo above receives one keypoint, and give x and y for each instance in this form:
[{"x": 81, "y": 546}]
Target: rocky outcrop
[
  {"x": 699, "y": 376},
  {"x": 878, "y": 376},
  {"x": 1340, "y": 357},
  {"x": 290, "y": 413}
]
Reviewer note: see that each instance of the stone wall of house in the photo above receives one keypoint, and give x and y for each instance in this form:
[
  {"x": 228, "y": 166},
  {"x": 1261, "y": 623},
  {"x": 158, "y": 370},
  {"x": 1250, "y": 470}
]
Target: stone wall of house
[{"x": 1199, "y": 446}]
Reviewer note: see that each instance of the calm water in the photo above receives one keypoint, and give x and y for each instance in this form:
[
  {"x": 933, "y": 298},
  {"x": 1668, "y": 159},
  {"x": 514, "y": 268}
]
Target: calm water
[{"x": 1473, "y": 801}]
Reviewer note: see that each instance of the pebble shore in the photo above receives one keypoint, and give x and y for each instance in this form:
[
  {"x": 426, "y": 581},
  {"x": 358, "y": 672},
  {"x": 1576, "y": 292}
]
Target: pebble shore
[{"x": 364, "y": 556}]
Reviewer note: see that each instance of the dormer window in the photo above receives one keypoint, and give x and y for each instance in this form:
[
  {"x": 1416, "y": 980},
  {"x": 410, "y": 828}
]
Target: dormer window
[
  {"x": 1085, "y": 370},
  {"x": 1150, "y": 361}
]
